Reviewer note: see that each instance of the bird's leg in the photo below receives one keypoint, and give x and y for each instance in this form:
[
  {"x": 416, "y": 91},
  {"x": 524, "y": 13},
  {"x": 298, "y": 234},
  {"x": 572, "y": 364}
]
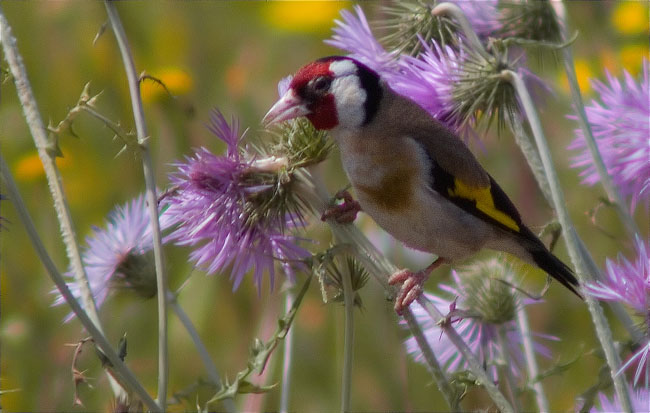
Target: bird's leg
[
  {"x": 343, "y": 213},
  {"x": 411, "y": 284}
]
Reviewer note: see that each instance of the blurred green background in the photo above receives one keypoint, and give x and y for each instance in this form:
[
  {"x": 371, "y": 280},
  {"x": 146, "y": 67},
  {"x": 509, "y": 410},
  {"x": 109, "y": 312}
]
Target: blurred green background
[{"x": 231, "y": 55}]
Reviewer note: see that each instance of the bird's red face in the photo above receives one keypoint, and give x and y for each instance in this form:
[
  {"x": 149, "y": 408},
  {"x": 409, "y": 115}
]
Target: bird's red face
[{"x": 330, "y": 92}]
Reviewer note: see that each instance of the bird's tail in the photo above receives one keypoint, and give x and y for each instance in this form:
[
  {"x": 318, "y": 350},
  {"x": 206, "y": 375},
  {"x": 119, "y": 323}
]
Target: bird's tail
[{"x": 548, "y": 262}]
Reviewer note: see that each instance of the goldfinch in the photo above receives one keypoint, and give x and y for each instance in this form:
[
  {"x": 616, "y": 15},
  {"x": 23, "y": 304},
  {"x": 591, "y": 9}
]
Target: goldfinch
[{"x": 410, "y": 173}]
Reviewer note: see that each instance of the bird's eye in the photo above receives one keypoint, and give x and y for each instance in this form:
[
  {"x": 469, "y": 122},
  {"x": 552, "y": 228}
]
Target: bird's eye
[{"x": 322, "y": 83}]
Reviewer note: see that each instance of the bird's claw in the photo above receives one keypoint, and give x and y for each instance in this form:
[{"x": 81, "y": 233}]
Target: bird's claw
[
  {"x": 411, "y": 288},
  {"x": 344, "y": 213}
]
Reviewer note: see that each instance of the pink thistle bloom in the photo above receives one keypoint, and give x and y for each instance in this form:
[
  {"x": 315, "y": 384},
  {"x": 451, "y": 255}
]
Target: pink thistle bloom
[
  {"x": 629, "y": 283},
  {"x": 620, "y": 121}
]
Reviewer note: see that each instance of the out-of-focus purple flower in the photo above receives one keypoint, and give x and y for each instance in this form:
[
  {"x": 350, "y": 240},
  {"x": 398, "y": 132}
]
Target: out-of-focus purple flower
[
  {"x": 620, "y": 121},
  {"x": 479, "y": 298},
  {"x": 119, "y": 255},
  {"x": 629, "y": 283},
  {"x": 640, "y": 399},
  {"x": 211, "y": 209}
]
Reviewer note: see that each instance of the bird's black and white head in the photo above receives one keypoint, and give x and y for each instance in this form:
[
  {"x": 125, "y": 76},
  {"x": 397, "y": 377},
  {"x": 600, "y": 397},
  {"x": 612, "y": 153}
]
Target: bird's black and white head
[{"x": 332, "y": 92}]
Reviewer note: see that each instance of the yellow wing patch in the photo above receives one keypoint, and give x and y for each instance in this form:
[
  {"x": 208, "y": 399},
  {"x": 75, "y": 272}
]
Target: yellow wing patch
[{"x": 484, "y": 202}]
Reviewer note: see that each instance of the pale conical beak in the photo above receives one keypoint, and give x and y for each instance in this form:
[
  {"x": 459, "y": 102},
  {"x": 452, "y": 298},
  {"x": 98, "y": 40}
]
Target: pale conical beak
[{"x": 288, "y": 107}]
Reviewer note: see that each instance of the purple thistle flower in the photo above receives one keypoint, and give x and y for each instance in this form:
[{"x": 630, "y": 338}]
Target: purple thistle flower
[
  {"x": 352, "y": 34},
  {"x": 629, "y": 283},
  {"x": 620, "y": 123},
  {"x": 210, "y": 207},
  {"x": 119, "y": 255},
  {"x": 640, "y": 399},
  {"x": 478, "y": 328},
  {"x": 429, "y": 80}
]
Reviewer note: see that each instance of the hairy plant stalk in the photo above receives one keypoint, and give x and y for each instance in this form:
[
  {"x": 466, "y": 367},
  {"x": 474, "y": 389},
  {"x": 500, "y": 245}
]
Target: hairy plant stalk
[
  {"x": 576, "y": 252},
  {"x": 151, "y": 197},
  {"x": 127, "y": 377},
  {"x": 46, "y": 152},
  {"x": 316, "y": 194},
  {"x": 505, "y": 373},
  {"x": 531, "y": 361},
  {"x": 527, "y": 147},
  {"x": 605, "y": 178},
  {"x": 287, "y": 357},
  {"x": 348, "y": 343},
  {"x": 210, "y": 368}
]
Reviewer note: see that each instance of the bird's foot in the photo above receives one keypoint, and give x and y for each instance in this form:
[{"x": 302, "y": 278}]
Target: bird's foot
[
  {"x": 412, "y": 283},
  {"x": 343, "y": 213}
]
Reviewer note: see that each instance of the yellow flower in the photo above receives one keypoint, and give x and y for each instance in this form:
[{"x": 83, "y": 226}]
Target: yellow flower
[
  {"x": 302, "y": 16},
  {"x": 583, "y": 74},
  {"x": 177, "y": 81},
  {"x": 631, "y": 57},
  {"x": 30, "y": 168},
  {"x": 631, "y": 17}
]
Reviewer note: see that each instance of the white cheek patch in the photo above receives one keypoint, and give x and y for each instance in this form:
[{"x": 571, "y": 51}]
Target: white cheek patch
[{"x": 350, "y": 98}]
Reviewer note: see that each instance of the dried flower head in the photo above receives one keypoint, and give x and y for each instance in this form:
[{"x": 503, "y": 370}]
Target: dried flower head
[
  {"x": 484, "y": 308},
  {"x": 234, "y": 209},
  {"x": 629, "y": 283},
  {"x": 119, "y": 256},
  {"x": 620, "y": 121}
]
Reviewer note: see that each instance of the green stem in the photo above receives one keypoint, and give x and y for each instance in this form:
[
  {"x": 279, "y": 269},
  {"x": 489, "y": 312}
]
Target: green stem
[
  {"x": 531, "y": 360},
  {"x": 210, "y": 368},
  {"x": 605, "y": 178},
  {"x": 47, "y": 154},
  {"x": 151, "y": 197},
  {"x": 287, "y": 357},
  {"x": 348, "y": 344},
  {"x": 98, "y": 337},
  {"x": 572, "y": 240}
]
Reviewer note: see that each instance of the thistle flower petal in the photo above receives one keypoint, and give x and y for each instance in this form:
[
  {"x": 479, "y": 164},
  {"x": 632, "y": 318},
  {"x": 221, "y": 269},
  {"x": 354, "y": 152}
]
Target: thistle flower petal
[
  {"x": 629, "y": 283},
  {"x": 620, "y": 121},
  {"x": 352, "y": 34},
  {"x": 640, "y": 399},
  {"x": 213, "y": 210}
]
